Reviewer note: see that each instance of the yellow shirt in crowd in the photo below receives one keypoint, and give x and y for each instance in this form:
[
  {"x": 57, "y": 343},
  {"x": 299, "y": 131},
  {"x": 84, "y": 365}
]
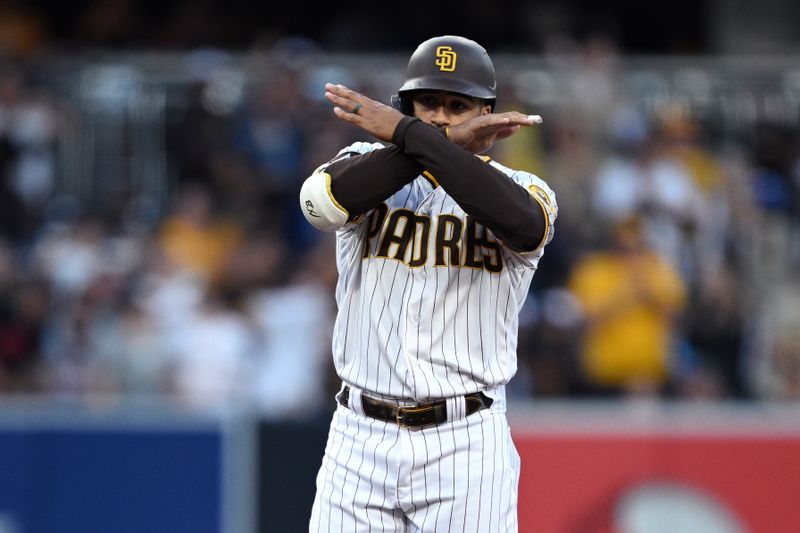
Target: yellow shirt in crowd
[
  {"x": 629, "y": 303},
  {"x": 205, "y": 251}
]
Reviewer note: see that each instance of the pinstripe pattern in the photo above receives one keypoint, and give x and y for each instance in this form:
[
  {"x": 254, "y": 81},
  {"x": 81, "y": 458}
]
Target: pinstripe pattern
[
  {"x": 413, "y": 333},
  {"x": 458, "y": 477},
  {"x": 430, "y": 331}
]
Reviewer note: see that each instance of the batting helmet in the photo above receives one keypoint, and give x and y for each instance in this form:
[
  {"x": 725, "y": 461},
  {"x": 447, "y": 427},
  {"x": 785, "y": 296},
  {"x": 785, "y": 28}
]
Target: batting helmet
[{"x": 448, "y": 63}]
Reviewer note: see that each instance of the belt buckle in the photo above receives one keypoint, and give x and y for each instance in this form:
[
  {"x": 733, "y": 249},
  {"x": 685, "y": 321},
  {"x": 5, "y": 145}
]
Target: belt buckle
[
  {"x": 399, "y": 418},
  {"x": 415, "y": 409}
]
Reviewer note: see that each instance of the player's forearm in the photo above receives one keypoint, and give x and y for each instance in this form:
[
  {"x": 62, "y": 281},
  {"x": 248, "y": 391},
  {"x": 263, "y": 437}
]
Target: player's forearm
[
  {"x": 361, "y": 182},
  {"x": 481, "y": 190}
]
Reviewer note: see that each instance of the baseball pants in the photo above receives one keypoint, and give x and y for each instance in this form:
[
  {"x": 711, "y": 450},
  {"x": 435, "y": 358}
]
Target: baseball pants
[{"x": 458, "y": 476}]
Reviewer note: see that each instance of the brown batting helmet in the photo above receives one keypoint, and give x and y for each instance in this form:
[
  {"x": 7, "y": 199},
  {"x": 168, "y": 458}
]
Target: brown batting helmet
[{"x": 448, "y": 63}]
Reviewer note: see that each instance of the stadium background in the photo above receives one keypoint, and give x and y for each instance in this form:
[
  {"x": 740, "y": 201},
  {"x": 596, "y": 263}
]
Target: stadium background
[{"x": 165, "y": 311}]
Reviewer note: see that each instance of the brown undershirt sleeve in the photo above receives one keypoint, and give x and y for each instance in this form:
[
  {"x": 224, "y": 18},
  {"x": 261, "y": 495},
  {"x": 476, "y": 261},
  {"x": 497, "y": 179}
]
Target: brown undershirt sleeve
[
  {"x": 481, "y": 190},
  {"x": 362, "y": 181}
]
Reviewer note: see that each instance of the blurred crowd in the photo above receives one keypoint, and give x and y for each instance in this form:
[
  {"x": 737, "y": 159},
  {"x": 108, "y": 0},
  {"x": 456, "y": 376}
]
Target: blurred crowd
[{"x": 674, "y": 272}]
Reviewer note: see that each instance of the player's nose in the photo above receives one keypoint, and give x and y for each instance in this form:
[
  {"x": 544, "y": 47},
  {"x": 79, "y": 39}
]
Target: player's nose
[{"x": 440, "y": 117}]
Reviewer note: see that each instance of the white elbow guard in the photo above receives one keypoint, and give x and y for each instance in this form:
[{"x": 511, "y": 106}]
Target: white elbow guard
[{"x": 318, "y": 204}]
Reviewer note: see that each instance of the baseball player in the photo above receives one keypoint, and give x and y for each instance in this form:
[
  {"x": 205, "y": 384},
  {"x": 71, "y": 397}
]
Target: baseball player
[{"x": 436, "y": 248}]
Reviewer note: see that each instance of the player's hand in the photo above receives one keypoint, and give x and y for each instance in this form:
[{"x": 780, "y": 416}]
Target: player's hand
[
  {"x": 480, "y": 133},
  {"x": 373, "y": 117}
]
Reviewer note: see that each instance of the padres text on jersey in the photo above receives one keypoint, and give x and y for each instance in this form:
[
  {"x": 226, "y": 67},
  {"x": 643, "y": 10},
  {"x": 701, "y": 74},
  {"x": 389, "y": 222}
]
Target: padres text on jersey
[{"x": 429, "y": 299}]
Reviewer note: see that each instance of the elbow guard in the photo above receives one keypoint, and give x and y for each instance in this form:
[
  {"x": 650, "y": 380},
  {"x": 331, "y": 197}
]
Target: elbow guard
[{"x": 319, "y": 206}]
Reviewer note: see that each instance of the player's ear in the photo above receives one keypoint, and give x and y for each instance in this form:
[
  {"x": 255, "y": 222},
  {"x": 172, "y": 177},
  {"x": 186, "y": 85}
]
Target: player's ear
[{"x": 486, "y": 109}]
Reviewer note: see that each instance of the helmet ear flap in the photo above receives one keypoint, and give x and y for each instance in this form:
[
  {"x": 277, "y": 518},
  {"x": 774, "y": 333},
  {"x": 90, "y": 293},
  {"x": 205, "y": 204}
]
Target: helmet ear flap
[{"x": 403, "y": 105}]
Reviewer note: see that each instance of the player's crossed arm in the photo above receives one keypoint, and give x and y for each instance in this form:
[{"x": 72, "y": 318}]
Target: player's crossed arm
[{"x": 475, "y": 135}]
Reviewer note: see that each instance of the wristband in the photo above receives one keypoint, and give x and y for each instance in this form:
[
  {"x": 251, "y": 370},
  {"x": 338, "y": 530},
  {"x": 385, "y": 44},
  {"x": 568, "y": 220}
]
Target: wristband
[{"x": 398, "y": 137}]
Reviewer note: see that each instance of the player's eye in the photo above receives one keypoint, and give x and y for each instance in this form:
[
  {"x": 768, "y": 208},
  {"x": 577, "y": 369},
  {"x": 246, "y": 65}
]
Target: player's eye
[
  {"x": 458, "y": 106},
  {"x": 429, "y": 101}
]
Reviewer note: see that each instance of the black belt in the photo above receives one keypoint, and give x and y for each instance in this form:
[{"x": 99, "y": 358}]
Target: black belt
[{"x": 414, "y": 416}]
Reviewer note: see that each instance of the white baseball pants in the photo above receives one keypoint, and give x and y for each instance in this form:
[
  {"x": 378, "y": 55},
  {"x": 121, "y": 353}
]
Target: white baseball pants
[{"x": 459, "y": 476}]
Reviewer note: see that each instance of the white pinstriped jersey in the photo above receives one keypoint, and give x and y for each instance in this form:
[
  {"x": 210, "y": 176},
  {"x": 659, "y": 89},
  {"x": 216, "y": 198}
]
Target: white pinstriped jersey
[{"x": 429, "y": 299}]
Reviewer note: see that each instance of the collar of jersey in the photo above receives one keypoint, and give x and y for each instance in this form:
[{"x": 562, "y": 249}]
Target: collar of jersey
[{"x": 429, "y": 177}]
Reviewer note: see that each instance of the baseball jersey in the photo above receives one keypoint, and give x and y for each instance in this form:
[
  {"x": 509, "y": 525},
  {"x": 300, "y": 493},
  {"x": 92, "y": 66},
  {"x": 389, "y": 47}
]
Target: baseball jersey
[{"x": 428, "y": 299}]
